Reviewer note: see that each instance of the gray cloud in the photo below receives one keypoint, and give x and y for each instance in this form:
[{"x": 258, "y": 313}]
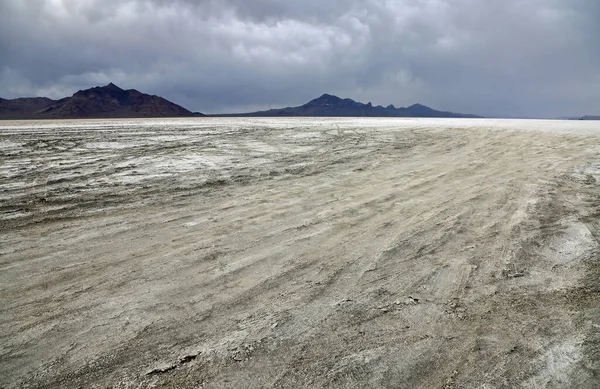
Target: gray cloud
[{"x": 528, "y": 57}]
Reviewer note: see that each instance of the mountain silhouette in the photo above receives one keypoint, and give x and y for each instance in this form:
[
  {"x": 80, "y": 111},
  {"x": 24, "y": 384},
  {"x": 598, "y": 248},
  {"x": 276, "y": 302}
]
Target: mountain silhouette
[
  {"x": 108, "y": 101},
  {"x": 330, "y": 105}
]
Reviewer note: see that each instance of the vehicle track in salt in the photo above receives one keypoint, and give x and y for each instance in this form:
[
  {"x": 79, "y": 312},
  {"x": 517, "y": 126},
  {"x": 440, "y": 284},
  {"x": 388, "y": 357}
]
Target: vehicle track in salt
[{"x": 276, "y": 253}]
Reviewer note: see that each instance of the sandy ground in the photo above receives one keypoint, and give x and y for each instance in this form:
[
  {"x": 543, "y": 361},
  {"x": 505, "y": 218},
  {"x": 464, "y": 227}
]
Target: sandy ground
[{"x": 265, "y": 253}]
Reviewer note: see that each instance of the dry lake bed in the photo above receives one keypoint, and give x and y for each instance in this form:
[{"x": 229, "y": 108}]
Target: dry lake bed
[{"x": 287, "y": 253}]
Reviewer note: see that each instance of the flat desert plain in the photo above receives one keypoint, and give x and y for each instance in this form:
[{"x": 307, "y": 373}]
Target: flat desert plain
[{"x": 289, "y": 253}]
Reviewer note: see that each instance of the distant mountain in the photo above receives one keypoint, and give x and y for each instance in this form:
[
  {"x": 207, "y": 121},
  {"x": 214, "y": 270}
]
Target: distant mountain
[
  {"x": 23, "y": 108},
  {"x": 108, "y": 101},
  {"x": 329, "y": 105},
  {"x": 588, "y": 117}
]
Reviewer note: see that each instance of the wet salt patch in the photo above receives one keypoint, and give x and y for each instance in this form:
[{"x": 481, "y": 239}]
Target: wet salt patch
[
  {"x": 557, "y": 364},
  {"x": 571, "y": 244},
  {"x": 584, "y": 172}
]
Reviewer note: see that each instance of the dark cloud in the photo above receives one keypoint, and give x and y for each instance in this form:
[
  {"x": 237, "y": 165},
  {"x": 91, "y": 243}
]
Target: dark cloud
[{"x": 527, "y": 57}]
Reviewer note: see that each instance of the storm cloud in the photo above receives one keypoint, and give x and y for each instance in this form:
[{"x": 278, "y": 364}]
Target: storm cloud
[{"x": 492, "y": 57}]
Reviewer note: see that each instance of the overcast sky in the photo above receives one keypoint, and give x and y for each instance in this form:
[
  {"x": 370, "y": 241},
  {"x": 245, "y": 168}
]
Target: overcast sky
[{"x": 488, "y": 57}]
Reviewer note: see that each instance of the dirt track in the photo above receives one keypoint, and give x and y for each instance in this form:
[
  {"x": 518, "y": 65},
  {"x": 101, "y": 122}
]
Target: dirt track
[{"x": 300, "y": 253}]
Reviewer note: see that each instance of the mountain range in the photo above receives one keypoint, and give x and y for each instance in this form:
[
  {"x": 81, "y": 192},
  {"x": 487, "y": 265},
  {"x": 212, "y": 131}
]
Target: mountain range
[
  {"x": 588, "y": 117},
  {"x": 329, "y": 105},
  {"x": 108, "y": 101}
]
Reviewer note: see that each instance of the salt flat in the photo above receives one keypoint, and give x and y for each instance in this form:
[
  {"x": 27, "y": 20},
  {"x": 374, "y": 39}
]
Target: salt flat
[{"x": 300, "y": 252}]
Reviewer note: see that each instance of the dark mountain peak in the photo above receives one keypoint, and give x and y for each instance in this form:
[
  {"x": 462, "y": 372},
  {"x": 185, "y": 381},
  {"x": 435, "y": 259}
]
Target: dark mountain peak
[
  {"x": 107, "y": 101},
  {"x": 326, "y": 98},
  {"x": 111, "y": 86},
  {"x": 391, "y": 106},
  {"x": 422, "y": 110},
  {"x": 109, "y": 92}
]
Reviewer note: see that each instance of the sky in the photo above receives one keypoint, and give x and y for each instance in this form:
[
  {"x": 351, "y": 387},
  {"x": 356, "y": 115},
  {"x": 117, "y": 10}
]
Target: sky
[{"x": 512, "y": 58}]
